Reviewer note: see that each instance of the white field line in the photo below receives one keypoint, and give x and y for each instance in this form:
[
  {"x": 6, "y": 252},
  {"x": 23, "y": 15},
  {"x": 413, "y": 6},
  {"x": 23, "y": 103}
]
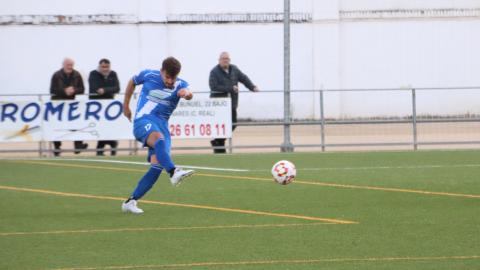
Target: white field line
[
  {"x": 383, "y": 167},
  {"x": 143, "y": 163},
  {"x": 303, "y": 169},
  {"x": 259, "y": 170}
]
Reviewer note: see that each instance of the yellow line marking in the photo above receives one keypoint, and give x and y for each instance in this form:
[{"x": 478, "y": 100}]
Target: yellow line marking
[
  {"x": 326, "y": 184},
  {"x": 351, "y": 186},
  {"x": 270, "y": 262},
  {"x": 196, "y": 206},
  {"x": 191, "y": 228},
  {"x": 77, "y": 166}
]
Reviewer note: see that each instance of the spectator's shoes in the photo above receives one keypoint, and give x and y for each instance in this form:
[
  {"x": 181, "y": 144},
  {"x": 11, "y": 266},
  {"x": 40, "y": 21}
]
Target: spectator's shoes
[
  {"x": 131, "y": 207},
  {"x": 179, "y": 175},
  {"x": 80, "y": 147},
  {"x": 114, "y": 146},
  {"x": 218, "y": 147}
]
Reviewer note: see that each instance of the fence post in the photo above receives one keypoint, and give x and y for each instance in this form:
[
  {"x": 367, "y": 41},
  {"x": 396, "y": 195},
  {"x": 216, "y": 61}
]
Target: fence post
[
  {"x": 41, "y": 142},
  {"x": 414, "y": 119},
  {"x": 322, "y": 122},
  {"x": 230, "y": 145},
  {"x": 287, "y": 145},
  {"x": 50, "y": 149},
  {"x": 135, "y": 147}
]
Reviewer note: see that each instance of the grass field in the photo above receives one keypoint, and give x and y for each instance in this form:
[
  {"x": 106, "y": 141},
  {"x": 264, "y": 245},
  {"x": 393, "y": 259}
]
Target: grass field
[{"x": 379, "y": 210}]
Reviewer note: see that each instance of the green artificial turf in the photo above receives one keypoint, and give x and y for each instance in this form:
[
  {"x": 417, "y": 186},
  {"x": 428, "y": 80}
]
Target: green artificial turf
[{"x": 397, "y": 224}]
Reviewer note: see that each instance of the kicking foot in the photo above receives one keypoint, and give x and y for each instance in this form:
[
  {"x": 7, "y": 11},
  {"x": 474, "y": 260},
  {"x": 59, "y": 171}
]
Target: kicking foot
[
  {"x": 179, "y": 175},
  {"x": 131, "y": 207}
]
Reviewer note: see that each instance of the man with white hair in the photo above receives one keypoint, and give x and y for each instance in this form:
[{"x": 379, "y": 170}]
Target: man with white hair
[
  {"x": 224, "y": 79},
  {"x": 64, "y": 85}
]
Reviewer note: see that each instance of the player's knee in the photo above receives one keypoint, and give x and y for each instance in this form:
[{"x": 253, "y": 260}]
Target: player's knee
[
  {"x": 154, "y": 161},
  {"x": 157, "y": 136},
  {"x": 154, "y": 137}
]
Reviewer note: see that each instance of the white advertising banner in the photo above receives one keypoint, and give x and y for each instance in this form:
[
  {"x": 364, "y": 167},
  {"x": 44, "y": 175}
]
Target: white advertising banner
[{"x": 33, "y": 121}]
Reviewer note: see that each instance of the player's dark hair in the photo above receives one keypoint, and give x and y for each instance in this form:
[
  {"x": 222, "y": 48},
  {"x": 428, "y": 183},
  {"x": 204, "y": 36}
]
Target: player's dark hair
[
  {"x": 171, "y": 66},
  {"x": 104, "y": 61}
]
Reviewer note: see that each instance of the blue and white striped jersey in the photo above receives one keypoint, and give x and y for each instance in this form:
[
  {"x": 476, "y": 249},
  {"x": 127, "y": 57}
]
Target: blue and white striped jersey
[{"x": 155, "y": 98}]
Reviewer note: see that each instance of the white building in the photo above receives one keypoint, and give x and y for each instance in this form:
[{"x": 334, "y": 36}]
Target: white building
[{"x": 335, "y": 44}]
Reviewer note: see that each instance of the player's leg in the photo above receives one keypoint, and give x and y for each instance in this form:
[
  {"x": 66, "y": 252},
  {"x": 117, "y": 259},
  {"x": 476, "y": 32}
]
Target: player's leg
[
  {"x": 161, "y": 142},
  {"x": 143, "y": 186},
  {"x": 142, "y": 128},
  {"x": 156, "y": 140},
  {"x": 150, "y": 134},
  {"x": 148, "y": 180}
]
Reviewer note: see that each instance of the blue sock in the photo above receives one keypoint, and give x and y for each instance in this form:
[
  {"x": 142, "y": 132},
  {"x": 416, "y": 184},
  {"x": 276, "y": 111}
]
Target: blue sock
[
  {"x": 146, "y": 183},
  {"x": 163, "y": 156}
]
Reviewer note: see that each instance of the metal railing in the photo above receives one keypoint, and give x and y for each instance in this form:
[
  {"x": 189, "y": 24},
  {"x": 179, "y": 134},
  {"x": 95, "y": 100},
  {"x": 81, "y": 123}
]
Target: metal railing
[{"x": 412, "y": 119}]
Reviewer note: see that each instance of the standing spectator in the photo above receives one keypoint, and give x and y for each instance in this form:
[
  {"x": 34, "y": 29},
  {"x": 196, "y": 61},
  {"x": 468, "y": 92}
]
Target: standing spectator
[
  {"x": 65, "y": 84},
  {"x": 104, "y": 84},
  {"x": 224, "y": 79}
]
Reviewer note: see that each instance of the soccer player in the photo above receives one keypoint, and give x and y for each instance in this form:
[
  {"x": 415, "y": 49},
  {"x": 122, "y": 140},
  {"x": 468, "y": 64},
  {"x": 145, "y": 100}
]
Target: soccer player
[{"x": 159, "y": 97}]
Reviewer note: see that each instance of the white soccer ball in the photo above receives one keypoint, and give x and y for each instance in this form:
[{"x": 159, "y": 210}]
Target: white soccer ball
[{"x": 284, "y": 172}]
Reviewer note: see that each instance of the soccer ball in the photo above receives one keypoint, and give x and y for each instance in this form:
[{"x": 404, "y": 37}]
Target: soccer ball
[{"x": 284, "y": 172}]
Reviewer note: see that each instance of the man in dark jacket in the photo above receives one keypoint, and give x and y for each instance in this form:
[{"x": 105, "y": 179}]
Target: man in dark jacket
[
  {"x": 64, "y": 85},
  {"x": 104, "y": 84},
  {"x": 224, "y": 79}
]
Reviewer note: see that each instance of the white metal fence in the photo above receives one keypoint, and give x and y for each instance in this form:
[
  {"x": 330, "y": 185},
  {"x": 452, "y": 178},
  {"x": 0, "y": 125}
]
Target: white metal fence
[{"x": 339, "y": 119}]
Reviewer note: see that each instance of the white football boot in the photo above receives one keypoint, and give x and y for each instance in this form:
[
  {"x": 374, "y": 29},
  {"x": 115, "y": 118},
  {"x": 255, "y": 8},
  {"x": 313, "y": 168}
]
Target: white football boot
[
  {"x": 131, "y": 207},
  {"x": 179, "y": 175}
]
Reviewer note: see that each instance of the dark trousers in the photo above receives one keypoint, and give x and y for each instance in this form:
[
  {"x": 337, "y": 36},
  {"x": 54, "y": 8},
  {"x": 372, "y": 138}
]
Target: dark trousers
[
  {"x": 101, "y": 146},
  {"x": 219, "y": 143},
  {"x": 58, "y": 144}
]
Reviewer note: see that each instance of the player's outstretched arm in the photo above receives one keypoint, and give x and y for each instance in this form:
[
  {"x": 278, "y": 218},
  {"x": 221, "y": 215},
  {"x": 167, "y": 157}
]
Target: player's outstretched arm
[
  {"x": 126, "y": 101},
  {"x": 185, "y": 93}
]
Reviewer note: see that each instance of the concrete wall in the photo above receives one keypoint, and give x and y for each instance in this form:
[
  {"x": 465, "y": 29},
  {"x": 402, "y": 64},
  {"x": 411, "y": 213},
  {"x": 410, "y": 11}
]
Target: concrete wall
[{"x": 340, "y": 47}]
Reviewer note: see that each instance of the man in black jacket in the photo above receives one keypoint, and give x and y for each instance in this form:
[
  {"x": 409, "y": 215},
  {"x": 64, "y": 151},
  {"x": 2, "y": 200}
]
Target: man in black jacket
[
  {"x": 64, "y": 85},
  {"x": 224, "y": 79},
  {"x": 104, "y": 84}
]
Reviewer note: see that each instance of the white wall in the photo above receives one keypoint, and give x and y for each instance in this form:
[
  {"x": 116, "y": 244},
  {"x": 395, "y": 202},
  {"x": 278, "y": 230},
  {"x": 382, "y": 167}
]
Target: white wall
[
  {"x": 405, "y": 4},
  {"x": 329, "y": 52}
]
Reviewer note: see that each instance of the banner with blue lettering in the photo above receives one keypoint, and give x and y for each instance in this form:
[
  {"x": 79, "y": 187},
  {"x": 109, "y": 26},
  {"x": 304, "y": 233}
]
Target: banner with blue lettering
[{"x": 33, "y": 121}]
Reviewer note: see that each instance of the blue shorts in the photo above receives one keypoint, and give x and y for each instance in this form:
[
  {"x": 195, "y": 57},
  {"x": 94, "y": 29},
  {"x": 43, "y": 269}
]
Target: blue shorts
[{"x": 143, "y": 126}]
